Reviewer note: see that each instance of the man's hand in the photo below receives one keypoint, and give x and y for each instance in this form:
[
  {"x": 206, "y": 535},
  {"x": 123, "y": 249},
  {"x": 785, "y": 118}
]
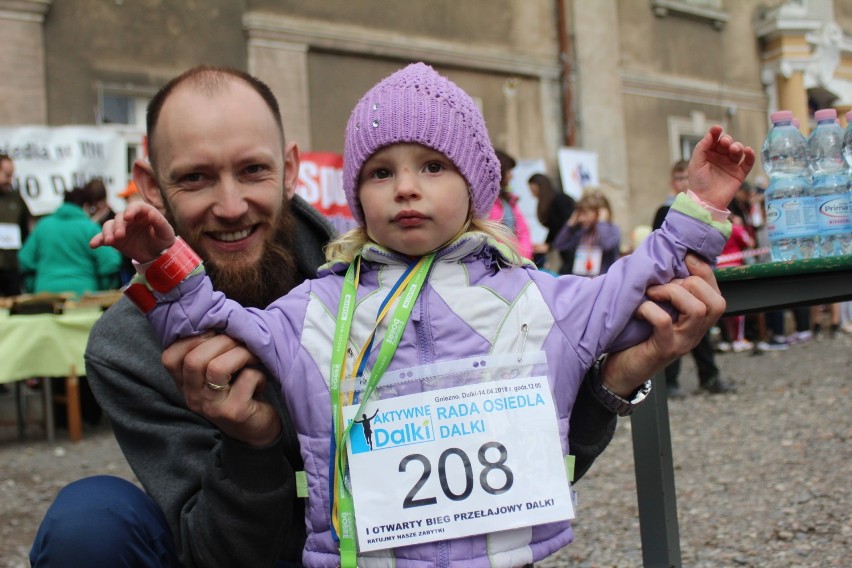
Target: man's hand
[
  {"x": 236, "y": 410},
  {"x": 718, "y": 167},
  {"x": 140, "y": 232},
  {"x": 699, "y": 303}
]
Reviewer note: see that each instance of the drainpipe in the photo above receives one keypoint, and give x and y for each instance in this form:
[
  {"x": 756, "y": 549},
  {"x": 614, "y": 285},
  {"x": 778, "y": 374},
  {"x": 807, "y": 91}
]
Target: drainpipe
[{"x": 565, "y": 57}]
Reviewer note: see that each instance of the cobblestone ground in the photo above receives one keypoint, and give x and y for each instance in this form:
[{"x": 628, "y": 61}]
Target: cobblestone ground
[{"x": 762, "y": 476}]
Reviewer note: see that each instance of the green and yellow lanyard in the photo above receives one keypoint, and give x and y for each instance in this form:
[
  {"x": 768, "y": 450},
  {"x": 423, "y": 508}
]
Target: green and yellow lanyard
[{"x": 407, "y": 288}]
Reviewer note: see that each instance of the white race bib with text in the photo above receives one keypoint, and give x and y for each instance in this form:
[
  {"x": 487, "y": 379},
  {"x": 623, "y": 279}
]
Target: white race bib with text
[{"x": 456, "y": 462}]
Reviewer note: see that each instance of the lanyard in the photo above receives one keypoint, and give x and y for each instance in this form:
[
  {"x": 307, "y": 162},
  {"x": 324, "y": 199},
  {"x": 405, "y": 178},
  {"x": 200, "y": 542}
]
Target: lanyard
[
  {"x": 343, "y": 509},
  {"x": 384, "y": 308}
]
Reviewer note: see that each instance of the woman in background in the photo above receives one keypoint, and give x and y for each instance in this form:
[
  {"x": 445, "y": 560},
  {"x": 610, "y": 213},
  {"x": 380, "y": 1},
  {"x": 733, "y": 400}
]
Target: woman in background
[
  {"x": 553, "y": 209},
  {"x": 506, "y": 210},
  {"x": 56, "y": 256}
]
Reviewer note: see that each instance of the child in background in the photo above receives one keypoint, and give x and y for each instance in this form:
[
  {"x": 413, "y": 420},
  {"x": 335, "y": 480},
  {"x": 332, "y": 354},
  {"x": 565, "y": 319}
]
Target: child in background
[
  {"x": 588, "y": 244},
  {"x": 734, "y": 326},
  {"x": 420, "y": 177}
]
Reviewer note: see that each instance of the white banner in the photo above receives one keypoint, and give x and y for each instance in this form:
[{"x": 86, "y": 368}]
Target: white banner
[
  {"x": 578, "y": 170},
  {"x": 52, "y": 160}
]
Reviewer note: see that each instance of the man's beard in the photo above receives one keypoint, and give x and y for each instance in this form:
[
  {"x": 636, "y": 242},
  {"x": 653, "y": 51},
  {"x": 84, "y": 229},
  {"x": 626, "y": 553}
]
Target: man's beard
[{"x": 263, "y": 282}]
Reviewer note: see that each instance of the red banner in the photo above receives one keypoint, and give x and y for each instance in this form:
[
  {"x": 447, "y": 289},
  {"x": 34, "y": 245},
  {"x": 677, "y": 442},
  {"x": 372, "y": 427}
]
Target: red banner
[{"x": 321, "y": 185}]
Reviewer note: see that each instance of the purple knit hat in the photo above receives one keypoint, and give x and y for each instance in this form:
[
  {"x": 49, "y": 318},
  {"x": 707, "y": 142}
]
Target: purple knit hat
[{"x": 415, "y": 104}]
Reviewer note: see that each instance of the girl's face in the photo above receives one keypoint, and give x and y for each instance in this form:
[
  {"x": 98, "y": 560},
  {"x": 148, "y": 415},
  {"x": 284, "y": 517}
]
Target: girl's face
[
  {"x": 534, "y": 189},
  {"x": 414, "y": 199},
  {"x": 587, "y": 217}
]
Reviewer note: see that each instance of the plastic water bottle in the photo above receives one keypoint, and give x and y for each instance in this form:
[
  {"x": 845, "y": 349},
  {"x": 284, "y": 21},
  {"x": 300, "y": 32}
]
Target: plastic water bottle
[
  {"x": 847, "y": 155},
  {"x": 847, "y": 142},
  {"x": 791, "y": 221},
  {"x": 830, "y": 184}
]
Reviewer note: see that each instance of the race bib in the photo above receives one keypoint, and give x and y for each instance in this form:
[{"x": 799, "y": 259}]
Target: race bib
[
  {"x": 10, "y": 236},
  {"x": 587, "y": 261},
  {"x": 456, "y": 462}
]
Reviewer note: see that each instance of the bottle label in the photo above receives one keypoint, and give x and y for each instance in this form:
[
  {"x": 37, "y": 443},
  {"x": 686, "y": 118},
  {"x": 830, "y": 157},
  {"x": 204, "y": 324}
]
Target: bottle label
[
  {"x": 790, "y": 218},
  {"x": 832, "y": 204},
  {"x": 833, "y": 214}
]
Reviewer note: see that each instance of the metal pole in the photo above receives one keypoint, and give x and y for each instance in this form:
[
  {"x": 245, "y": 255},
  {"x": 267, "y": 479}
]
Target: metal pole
[{"x": 655, "y": 486}]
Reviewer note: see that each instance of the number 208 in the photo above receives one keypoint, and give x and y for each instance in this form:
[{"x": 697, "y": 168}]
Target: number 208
[{"x": 411, "y": 499}]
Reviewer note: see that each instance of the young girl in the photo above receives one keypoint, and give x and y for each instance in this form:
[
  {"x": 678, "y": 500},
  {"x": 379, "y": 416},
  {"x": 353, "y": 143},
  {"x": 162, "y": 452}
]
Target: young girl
[
  {"x": 467, "y": 360},
  {"x": 588, "y": 244}
]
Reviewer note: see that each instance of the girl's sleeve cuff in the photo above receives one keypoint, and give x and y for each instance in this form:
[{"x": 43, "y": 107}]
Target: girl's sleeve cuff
[{"x": 690, "y": 204}]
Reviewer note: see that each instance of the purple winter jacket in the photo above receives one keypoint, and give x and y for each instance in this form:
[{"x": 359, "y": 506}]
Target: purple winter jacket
[{"x": 472, "y": 304}]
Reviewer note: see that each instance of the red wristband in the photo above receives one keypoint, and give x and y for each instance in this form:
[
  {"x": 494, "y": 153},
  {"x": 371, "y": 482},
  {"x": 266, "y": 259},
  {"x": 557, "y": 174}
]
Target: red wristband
[
  {"x": 140, "y": 295},
  {"x": 171, "y": 267}
]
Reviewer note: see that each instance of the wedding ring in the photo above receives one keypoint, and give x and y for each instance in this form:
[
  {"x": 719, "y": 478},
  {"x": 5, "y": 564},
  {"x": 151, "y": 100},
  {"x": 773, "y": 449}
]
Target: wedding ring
[{"x": 215, "y": 387}]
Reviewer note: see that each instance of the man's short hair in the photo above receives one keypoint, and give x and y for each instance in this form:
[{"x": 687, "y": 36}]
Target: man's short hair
[
  {"x": 210, "y": 80},
  {"x": 680, "y": 166},
  {"x": 5, "y": 157}
]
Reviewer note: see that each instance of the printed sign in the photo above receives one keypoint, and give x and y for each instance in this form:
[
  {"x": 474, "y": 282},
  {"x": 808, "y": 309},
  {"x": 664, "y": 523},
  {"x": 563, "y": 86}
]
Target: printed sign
[
  {"x": 52, "y": 160},
  {"x": 578, "y": 169},
  {"x": 321, "y": 185},
  {"x": 456, "y": 462}
]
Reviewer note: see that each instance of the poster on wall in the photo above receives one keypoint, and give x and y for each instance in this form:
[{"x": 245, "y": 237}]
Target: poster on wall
[
  {"x": 578, "y": 169},
  {"x": 321, "y": 184},
  {"x": 52, "y": 160}
]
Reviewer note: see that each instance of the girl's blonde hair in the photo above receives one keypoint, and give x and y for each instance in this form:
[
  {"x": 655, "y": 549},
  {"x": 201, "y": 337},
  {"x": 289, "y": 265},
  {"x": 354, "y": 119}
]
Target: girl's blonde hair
[{"x": 345, "y": 247}]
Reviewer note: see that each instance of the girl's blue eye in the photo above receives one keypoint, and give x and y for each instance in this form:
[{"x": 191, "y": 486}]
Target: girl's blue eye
[
  {"x": 434, "y": 167},
  {"x": 381, "y": 174}
]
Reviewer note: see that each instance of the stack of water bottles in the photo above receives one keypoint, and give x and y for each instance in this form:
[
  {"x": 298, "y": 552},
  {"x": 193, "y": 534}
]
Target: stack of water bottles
[{"x": 808, "y": 201}]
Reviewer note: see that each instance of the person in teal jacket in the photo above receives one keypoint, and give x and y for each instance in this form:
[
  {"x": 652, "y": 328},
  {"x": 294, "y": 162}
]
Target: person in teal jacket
[{"x": 56, "y": 256}]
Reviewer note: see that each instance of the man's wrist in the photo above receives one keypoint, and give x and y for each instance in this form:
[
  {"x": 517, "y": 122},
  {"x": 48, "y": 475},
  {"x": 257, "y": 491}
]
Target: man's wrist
[
  {"x": 615, "y": 381},
  {"x": 614, "y": 401}
]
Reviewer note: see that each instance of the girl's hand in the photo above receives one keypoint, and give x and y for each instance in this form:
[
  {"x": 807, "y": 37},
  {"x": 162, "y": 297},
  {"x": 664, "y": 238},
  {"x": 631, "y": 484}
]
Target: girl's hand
[
  {"x": 718, "y": 167},
  {"x": 140, "y": 232}
]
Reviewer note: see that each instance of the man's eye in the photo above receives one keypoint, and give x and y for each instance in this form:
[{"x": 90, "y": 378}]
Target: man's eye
[
  {"x": 191, "y": 178},
  {"x": 254, "y": 169}
]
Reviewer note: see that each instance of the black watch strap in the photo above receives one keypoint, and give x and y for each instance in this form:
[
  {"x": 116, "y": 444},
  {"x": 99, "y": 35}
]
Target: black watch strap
[{"x": 613, "y": 402}]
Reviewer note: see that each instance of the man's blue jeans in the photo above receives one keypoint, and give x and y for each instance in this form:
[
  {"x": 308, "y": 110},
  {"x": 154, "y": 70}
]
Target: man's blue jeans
[
  {"x": 106, "y": 521},
  {"x": 103, "y": 521}
]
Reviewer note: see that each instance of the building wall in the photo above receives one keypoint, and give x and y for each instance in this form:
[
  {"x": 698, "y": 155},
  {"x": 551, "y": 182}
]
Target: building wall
[
  {"x": 502, "y": 52},
  {"x": 677, "y": 74},
  {"x": 23, "y": 89},
  {"x": 639, "y": 79},
  {"x": 132, "y": 46}
]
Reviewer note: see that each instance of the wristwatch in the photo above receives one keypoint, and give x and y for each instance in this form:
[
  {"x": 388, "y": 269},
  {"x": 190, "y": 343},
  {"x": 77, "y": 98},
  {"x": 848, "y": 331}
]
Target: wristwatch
[{"x": 615, "y": 403}]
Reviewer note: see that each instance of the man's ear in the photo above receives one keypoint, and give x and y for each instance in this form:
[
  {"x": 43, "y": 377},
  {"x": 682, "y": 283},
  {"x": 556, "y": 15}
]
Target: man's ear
[
  {"x": 146, "y": 183},
  {"x": 291, "y": 169}
]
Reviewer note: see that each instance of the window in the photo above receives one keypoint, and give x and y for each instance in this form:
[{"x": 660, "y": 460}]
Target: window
[
  {"x": 684, "y": 134},
  {"x": 122, "y": 108},
  {"x": 117, "y": 110},
  {"x": 687, "y": 145},
  {"x": 708, "y": 10}
]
